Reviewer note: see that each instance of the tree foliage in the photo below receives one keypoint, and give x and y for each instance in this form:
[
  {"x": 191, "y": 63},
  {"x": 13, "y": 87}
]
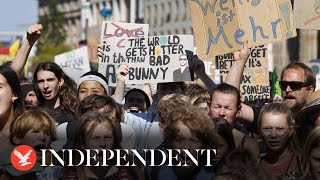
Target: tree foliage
[{"x": 53, "y": 36}]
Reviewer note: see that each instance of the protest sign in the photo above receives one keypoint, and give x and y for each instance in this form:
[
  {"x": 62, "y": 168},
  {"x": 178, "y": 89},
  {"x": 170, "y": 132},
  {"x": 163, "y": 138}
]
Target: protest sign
[
  {"x": 222, "y": 26},
  {"x": 255, "y": 78},
  {"x": 314, "y": 64},
  {"x": 74, "y": 61},
  {"x": 307, "y": 14},
  {"x": 114, "y": 37},
  {"x": 155, "y": 59}
]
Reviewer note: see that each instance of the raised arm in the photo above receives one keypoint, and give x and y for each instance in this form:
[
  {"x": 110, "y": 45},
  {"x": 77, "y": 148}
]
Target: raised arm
[
  {"x": 122, "y": 71},
  {"x": 234, "y": 79},
  {"x": 199, "y": 70},
  {"x": 237, "y": 68},
  {"x": 33, "y": 34}
]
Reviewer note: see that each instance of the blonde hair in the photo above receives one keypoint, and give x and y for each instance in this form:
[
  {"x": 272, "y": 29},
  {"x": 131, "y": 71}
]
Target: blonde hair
[
  {"x": 313, "y": 141},
  {"x": 35, "y": 120},
  {"x": 281, "y": 108}
]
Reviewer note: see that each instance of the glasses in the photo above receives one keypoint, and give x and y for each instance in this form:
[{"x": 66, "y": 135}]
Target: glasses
[
  {"x": 294, "y": 85},
  {"x": 183, "y": 59},
  {"x": 280, "y": 131}
]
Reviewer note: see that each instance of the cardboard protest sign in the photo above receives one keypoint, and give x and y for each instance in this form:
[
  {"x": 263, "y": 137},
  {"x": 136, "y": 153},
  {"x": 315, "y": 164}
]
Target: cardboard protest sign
[
  {"x": 76, "y": 60},
  {"x": 307, "y": 14},
  {"x": 315, "y": 67},
  {"x": 114, "y": 37},
  {"x": 222, "y": 26},
  {"x": 155, "y": 59},
  {"x": 255, "y": 78}
]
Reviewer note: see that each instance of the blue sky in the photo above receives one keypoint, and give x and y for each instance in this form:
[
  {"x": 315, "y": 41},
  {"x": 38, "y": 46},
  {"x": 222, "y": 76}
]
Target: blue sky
[{"x": 16, "y": 15}]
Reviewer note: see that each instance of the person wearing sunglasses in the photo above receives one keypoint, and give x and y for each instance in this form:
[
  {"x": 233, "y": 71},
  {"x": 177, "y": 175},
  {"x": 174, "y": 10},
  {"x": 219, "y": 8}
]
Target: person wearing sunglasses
[
  {"x": 297, "y": 81},
  {"x": 183, "y": 73},
  {"x": 281, "y": 160}
]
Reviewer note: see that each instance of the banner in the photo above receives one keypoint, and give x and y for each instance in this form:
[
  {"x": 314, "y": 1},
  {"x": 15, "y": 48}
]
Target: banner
[
  {"x": 114, "y": 36},
  {"x": 74, "y": 63},
  {"x": 222, "y": 26},
  {"x": 153, "y": 59},
  {"x": 255, "y": 78},
  {"x": 307, "y": 14}
]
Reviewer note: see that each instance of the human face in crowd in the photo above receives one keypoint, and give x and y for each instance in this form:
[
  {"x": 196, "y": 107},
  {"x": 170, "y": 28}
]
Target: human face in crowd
[
  {"x": 90, "y": 87},
  {"x": 183, "y": 60},
  {"x": 135, "y": 102},
  {"x": 185, "y": 140},
  {"x": 36, "y": 140},
  {"x": 32, "y": 98},
  {"x": 222, "y": 149},
  {"x": 225, "y": 106},
  {"x": 295, "y": 99},
  {"x": 100, "y": 138},
  {"x": 275, "y": 131},
  {"x": 315, "y": 163},
  {"x": 48, "y": 84},
  {"x": 6, "y": 97}
]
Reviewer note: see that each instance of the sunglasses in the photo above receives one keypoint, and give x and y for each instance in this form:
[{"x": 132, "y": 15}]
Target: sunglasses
[{"x": 294, "y": 85}]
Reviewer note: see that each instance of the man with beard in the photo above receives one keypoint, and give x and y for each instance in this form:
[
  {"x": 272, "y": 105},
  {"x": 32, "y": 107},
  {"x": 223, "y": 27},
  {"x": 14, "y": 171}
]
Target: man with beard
[{"x": 297, "y": 81}]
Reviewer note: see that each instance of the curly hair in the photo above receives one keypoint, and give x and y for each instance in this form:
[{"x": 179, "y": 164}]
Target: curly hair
[
  {"x": 168, "y": 104},
  {"x": 68, "y": 92},
  {"x": 199, "y": 123}
]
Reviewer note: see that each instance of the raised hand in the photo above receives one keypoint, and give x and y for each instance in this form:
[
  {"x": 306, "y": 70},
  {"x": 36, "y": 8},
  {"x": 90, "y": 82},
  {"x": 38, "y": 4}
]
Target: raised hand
[
  {"x": 243, "y": 54},
  {"x": 34, "y": 33},
  {"x": 122, "y": 71}
]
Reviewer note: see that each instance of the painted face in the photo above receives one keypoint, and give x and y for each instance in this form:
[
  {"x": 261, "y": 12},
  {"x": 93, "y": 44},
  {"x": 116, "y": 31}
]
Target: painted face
[
  {"x": 315, "y": 163},
  {"x": 36, "y": 140},
  {"x": 32, "y": 98},
  {"x": 6, "y": 97},
  {"x": 90, "y": 87},
  {"x": 222, "y": 150},
  {"x": 185, "y": 140},
  {"x": 101, "y": 138},
  {"x": 48, "y": 84},
  {"x": 294, "y": 99},
  {"x": 275, "y": 131},
  {"x": 135, "y": 102},
  {"x": 183, "y": 60},
  {"x": 225, "y": 106}
]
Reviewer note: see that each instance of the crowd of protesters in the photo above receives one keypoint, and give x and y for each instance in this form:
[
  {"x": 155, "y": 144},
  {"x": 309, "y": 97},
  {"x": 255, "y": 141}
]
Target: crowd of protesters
[{"x": 277, "y": 140}]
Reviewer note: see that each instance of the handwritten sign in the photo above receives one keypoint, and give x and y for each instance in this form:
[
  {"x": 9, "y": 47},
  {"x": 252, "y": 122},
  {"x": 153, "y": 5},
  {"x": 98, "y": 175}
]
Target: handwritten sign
[
  {"x": 255, "y": 78},
  {"x": 222, "y": 26},
  {"x": 114, "y": 36},
  {"x": 155, "y": 59},
  {"x": 167, "y": 59},
  {"x": 76, "y": 60},
  {"x": 307, "y": 14}
]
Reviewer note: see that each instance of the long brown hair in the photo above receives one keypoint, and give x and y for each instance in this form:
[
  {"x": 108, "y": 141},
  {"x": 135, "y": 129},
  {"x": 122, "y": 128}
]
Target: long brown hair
[{"x": 68, "y": 92}]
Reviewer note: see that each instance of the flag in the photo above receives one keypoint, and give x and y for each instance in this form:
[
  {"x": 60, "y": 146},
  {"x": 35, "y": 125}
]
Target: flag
[
  {"x": 11, "y": 51},
  {"x": 14, "y": 48},
  {"x": 276, "y": 90}
]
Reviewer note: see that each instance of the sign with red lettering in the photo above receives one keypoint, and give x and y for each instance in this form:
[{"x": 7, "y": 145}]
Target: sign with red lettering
[{"x": 114, "y": 36}]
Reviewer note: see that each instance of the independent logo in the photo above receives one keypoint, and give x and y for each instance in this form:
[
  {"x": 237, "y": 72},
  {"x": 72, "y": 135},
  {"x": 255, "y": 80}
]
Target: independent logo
[{"x": 23, "y": 158}]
